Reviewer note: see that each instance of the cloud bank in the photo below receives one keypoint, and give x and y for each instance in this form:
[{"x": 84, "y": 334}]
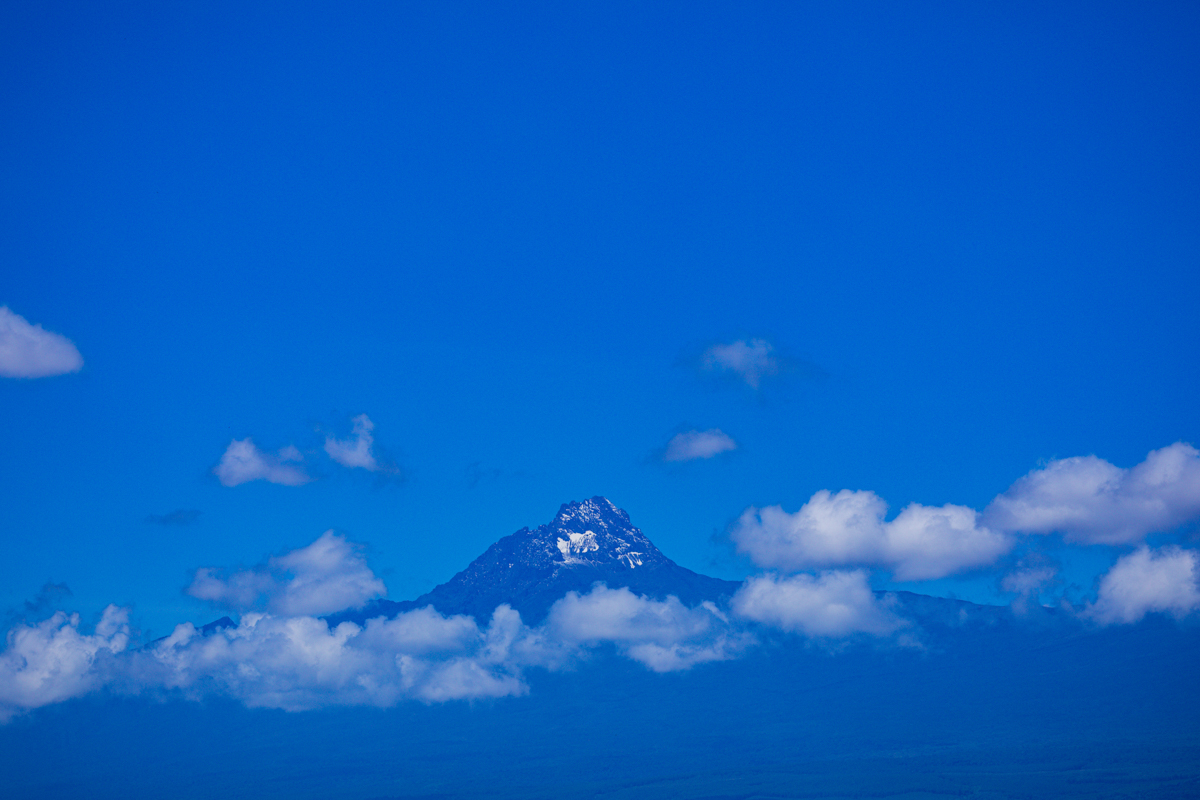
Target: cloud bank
[
  {"x": 244, "y": 462},
  {"x": 848, "y": 529},
  {"x": 282, "y": 654},
  {"x": 31, "y": 351},
  {"x": 1089, "y": 500},
  {"x": 691, "y": 445}
]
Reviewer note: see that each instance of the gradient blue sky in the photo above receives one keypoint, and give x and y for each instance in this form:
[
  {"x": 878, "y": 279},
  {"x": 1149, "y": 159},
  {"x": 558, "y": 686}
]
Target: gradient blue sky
[{"x": 507, "y": 233}]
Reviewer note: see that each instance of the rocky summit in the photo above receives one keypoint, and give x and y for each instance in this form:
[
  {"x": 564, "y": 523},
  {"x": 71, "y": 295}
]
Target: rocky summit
[{"x": 586, "y": 542}]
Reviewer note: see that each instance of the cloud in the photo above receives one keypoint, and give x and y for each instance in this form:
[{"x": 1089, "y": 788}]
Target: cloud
[
  {"x": 31, "y": 351},
  {"x": 832, "y": 604},
  {"x": 848, "y": 529},
  {"x": 282, "y": 655},
  {"x": 691, "y": 445},
  {"x": 356, "y": 450},
  {"x": 1145, "y": 581},
  {"x": 180, "y": 516},
  {"x": 52, "y": 661},
  {"x": 751, "y": 360},
  {"x": 326, "y": 576},
  {"x": 1091, "y": 501},
  {"x": 244, "y": 462},
  {"x": 298, "y": 663},
  {"x": 664, "y": 635}
]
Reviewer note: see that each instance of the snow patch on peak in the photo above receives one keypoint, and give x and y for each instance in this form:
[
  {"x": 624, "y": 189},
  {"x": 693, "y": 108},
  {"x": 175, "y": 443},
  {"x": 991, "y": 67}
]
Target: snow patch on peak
[
  {"x": 632, "y": 560},
  {"x": 577, "y": 543}
]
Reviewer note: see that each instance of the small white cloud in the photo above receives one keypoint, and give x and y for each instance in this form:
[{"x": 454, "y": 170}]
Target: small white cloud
[
  {"x": 1145, "y": 581},
  {"x": 328, "y": 575},
  {"x": 664, "y": 635},
  {"x": 1089, "y": 500},
  {"x": 356, "y": 450},
  {"x": 52, "y": 661},
  {"x": 31, "y": 351},
  {"x": 848, "y": 529},
  {"x": 752, "y": 359},
  {"x": 833, "y": 604},
  {"x": 691, "y": 445},
  {"x": 244, "y": 462}
]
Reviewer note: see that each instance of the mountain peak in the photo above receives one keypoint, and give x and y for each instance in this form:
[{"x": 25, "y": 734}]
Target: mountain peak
[
  {"x": 588, "y": 541},
  {"x": 596, "y": 510}
]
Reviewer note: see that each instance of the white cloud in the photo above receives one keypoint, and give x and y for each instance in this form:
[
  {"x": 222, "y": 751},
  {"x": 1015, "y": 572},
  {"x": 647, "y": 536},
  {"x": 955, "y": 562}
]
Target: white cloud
[
  {"x": 244, "y": 462},
  {"x": 848, "y": 528},
  {"x": 356, "y": 450},
  {"x": 1091, "y": 501},
  {"x": 752, "y": 359},
  {"x": 1145, "y": 581},
  {"x": 664, "y": 635},
  {"x": 833, "y": 604},
  {"x": 52, "y": 661},
  {"x": 298, "y": 663},
  {"x": 698, "y": 444},
  {"x": 31, "y": 351},
  {"x": 326, "y": 576}
]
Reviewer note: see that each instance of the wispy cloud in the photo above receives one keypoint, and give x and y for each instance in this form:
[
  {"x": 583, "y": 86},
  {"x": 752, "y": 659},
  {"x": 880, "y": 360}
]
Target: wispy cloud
[
  {"x": 692, "y": 445},
  {"x": 31, "y": 351},
  {"x": 751, "y": 359},
  {"x": 848, "y": 529},
  {"x": 355, "y": 451},
  {"x": 1089, "y": 500},
  {"x": 244, "y": 462}
]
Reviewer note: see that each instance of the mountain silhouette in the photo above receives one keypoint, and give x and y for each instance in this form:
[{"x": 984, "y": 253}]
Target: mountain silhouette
[{"x": 586, "y": 542}]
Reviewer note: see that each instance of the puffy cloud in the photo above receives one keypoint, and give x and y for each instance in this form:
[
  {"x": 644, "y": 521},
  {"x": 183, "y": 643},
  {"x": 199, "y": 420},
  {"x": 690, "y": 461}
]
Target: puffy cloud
[
  {"x": 752, "y": 359},
  {"x": 356, "y": 450},
  {"x": 832, "y": 604},
  {"x": 698, "y": 444},
  {"x": 848, "y": 528},
  {"x": 1146, "y": 580},
  {"x": 31, "y": 351},
  {"x": 52, "y": 661},
  {"x": 244, "y": 462},
  {"x": 326, "y": 576},
  {"x": 664, "y": 635},
  {"x": 298, "y": 663},
  {"x": 1089, "y": 500}
]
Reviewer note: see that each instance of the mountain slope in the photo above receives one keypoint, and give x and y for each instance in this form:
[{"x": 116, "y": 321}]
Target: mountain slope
[{"x": 586, "y": 542}]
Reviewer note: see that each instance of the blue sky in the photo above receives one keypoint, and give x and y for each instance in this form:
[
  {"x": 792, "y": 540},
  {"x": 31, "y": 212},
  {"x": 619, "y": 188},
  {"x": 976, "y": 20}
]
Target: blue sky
[{"x": 511, "y": 234}]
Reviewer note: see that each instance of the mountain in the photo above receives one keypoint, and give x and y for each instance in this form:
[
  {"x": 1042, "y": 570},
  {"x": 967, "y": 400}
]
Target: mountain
[{"x": 586, "y": 542}]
